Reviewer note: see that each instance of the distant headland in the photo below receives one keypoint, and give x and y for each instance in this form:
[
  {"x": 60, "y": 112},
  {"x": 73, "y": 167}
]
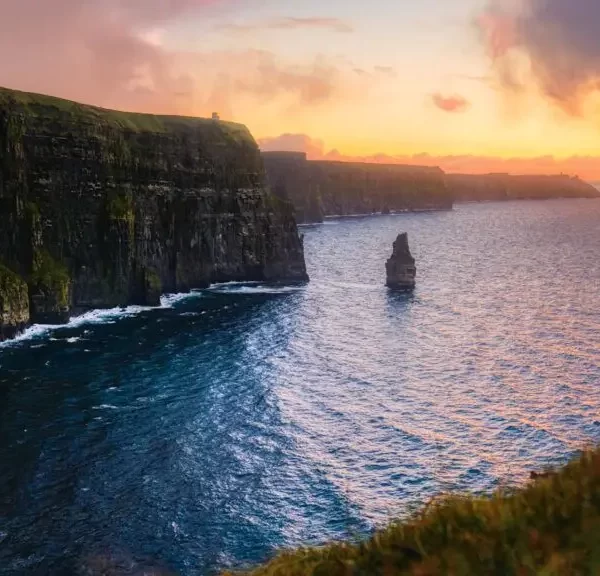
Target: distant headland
[{"x": 321, "y": 189}]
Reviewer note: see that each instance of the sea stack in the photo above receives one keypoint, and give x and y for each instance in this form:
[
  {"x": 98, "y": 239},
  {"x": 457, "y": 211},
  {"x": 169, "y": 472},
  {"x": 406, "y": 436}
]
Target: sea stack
[{"x": 400, "y": 268}]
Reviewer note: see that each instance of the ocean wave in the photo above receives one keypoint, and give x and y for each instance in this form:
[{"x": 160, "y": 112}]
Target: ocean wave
[
  {"x": 245, "y": 288},
  {"x": 97, "y": 316},
  {"x": 169, "y": 300}
]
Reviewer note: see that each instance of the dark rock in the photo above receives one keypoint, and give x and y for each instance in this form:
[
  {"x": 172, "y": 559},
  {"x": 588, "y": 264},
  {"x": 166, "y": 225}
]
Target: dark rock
[
  {"x": 400, "y": 268},
  {"x": 100, "y": 209}
]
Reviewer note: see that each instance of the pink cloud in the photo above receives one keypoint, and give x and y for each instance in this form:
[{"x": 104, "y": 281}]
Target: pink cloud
[
  {"x": 112, "y": 53},
  {"x": 454, "y": 103},
  {"x": 293, "y": 143}
]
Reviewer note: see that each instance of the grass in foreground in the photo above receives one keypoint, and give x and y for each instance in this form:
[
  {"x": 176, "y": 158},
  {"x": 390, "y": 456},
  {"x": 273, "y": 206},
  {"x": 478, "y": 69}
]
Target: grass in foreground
[{"x": 550, "y": 527}]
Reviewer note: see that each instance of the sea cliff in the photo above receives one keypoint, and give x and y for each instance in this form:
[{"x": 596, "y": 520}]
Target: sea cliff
[
  {"x": 319, "y": 189},
  {"x": 100, "y": 208},
  {"x": 499, "y": 187}
]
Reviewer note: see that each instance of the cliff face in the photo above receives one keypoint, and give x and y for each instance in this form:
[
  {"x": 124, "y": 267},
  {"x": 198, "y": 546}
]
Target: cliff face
[
  {"x": 319, "y": 188},
  {"x": 101, "y": 208},
  {"x": 496, "y": 187}
]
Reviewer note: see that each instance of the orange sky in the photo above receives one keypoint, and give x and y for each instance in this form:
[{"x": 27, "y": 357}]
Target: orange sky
[{"x": 470, "y": 85}]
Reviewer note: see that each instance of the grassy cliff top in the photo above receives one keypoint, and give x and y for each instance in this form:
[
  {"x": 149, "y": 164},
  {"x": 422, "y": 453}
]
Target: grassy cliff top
[
  {"x": 550, "y": 527},
  {"x": 39, "y": 105}
]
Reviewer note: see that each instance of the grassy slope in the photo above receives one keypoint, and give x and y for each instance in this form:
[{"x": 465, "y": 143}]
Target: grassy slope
[
  {"x": 39, "y": 104},
  {"x": 551, "y": 527}
]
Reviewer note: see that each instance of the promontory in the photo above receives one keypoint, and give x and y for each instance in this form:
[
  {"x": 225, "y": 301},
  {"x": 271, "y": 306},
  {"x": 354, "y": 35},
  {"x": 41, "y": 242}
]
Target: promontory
[{"x": 100, "y": 208}]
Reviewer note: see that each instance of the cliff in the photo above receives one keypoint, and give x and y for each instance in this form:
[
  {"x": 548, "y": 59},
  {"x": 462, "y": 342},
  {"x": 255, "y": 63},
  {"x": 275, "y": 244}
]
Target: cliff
[
  {"x": 100, "y": 208},
  {"x": 497, "y": 187},
  {"x": 320, "y": 188}
]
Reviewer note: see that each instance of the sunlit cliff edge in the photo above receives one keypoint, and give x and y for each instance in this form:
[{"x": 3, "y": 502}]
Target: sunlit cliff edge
[{"x": 100, "y": 208}]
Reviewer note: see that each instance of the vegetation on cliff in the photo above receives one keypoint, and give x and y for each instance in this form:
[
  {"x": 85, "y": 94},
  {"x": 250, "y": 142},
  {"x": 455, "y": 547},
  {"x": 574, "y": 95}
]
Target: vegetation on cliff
[
  {"x": 50, "y": 277},
  {"x": 550, "y": 527},
  {"x": 40, "y": 105},
  {"x": 14, "y": 302}
]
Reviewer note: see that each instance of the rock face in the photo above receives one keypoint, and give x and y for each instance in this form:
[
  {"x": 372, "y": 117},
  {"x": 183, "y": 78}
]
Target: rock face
[
  {"x": 400, "y": 268},
  {"x": 14, "y": 304},
  {"x": 101, "y": 208},
  {"x": 319, "y": 189}
]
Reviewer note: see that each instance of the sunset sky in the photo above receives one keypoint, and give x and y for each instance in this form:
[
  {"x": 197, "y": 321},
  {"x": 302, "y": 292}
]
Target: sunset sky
[{"x": 471, "y": 85}]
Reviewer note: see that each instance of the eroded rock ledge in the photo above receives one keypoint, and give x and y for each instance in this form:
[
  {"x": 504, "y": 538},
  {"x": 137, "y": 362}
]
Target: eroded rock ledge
[{"x": 100, "y": 208}]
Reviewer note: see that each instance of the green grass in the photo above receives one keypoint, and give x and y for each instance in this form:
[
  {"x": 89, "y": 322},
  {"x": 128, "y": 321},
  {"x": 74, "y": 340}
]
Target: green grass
[
  {"x": 12, "y": 287},
  {"x": 51, "y": 276},
  {"x": 549, "y": 528},
  {"x": 47, "y": 106}
]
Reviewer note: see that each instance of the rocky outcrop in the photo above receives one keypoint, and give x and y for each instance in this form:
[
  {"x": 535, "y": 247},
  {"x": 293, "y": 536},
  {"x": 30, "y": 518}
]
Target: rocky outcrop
[
  {"x": 101, "y": 208},
  {"x": 400, "y": 268},
  {"x": 499, "y": 187},
  {"x": 319, "y": 189}
]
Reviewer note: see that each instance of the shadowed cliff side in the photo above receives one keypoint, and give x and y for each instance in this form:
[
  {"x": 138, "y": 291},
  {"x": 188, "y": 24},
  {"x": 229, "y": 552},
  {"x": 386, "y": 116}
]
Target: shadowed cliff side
[
  {"x": 100, "y": 208},
  {"x": 320, "y": 188},
  {"x": 497, "y": 187}
]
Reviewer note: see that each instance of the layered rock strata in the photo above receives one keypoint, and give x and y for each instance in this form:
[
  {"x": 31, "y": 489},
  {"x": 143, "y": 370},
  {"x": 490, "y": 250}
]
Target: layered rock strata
[{"x": 100, "y": 208}]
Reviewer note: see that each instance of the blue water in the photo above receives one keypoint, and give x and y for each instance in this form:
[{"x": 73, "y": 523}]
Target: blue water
[{"x": 243, "y": 419}]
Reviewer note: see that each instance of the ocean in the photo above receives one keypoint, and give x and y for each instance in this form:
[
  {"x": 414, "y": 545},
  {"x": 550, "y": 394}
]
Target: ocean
[{"x": 232, "y": 422}]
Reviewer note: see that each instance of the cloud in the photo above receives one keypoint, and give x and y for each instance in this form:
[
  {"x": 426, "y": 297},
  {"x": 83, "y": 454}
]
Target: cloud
[
  {"x": 312, "y": 84},
  {"x": 559, "y": 39},
  {"x": 292, "y": 23},
  {"x": 587, "y": 167},
  {"x": 293, "y": 143},
  {"x": 454, "y": 103},
  {"x": 114, "y": 53}
]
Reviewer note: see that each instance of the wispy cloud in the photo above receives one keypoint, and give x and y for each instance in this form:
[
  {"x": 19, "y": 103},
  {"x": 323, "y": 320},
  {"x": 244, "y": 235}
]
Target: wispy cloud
[
  {"x": 453, "y": 103},
  {"x": 385, "y": 70},
  {"x": 292, "y": 23},
  {"x": 312, "y": 84}
]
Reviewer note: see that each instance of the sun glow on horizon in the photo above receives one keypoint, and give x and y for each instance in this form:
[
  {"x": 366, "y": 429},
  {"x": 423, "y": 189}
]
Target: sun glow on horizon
[{"x": 388, "y": 80}]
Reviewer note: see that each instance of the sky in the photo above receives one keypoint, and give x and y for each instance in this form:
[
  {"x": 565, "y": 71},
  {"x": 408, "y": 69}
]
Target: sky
[{"x": 470, "y": 85}]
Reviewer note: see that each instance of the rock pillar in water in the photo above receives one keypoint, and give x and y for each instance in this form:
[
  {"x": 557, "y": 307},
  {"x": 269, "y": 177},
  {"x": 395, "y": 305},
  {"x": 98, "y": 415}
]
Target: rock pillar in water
[{"x": 400, "y": 268}]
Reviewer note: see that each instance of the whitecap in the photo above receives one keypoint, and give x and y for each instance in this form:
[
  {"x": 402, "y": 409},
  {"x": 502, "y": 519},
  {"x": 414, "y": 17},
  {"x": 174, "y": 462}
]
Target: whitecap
[
  {"x": 254, "y": 289},
  {"x": 169, "y": 300}
]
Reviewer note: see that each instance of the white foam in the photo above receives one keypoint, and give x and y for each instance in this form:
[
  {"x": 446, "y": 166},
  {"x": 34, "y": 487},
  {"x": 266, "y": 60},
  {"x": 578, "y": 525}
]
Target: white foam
[
  {"x": 255, "y": 289},
  {"x": 32, "y": 332},
  {"x": 105, "y": 407},
  {"x": 169, "y": 300}
]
